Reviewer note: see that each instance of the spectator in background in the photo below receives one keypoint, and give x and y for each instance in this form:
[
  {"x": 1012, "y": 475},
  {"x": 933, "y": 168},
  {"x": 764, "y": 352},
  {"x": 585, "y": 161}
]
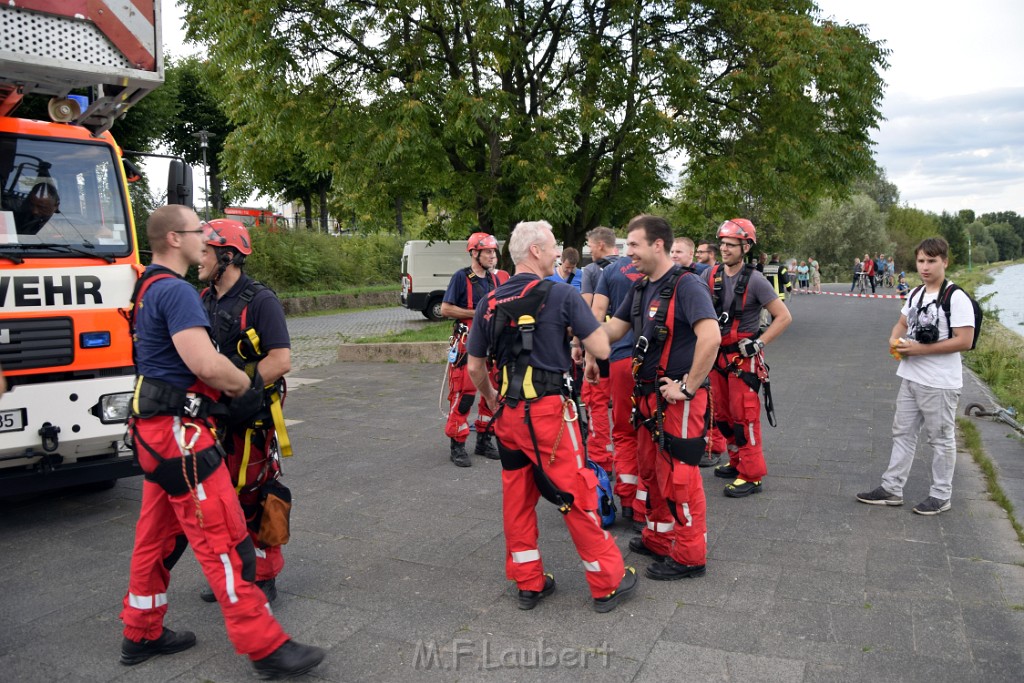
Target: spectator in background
[
  {"x": 815, "y": 273},
  {"x": 566, "y": 270},
  {"x": 868, "y": 267},
  {"x": 682, "y": 251},
  {"x": 705, "y": 256},
  {"x": 803, "y": 277},
  {"x": 856, "y": 272}
]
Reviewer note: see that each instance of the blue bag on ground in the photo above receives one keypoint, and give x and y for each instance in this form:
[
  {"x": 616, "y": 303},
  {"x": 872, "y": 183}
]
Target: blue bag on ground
[{"x": 605, "y": 499}]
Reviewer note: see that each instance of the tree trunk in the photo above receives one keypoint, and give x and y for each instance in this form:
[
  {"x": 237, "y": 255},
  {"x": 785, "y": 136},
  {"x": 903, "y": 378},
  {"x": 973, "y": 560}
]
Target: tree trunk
[
  {"x": 307, "y": 206},
  {"x": 323, "y": 211}
]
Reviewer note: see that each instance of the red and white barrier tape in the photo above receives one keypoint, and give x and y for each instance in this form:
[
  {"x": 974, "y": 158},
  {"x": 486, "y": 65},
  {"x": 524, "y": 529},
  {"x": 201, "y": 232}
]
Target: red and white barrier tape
[{"x": 860, "y": 296}]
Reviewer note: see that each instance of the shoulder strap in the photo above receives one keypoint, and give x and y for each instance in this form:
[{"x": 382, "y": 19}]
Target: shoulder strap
[{"x": 141, "y": 285}]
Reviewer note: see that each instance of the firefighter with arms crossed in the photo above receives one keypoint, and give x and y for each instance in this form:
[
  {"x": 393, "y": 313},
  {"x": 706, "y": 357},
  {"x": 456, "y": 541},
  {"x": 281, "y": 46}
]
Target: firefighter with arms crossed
[
  {"x": 740, "y": 293},
  {"x": 187, "y": 495},
  {"x": 466, "y": 289},
  {"x": 676, "y": 333},
  {"x": 525, "y": 324},
  {"x": 249, "y": 327}
]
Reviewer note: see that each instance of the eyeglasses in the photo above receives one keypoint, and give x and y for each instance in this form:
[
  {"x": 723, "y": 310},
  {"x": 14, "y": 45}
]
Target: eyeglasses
[
  {"x": 729, "y": 245},
  {"x": 197, "y": 231}
]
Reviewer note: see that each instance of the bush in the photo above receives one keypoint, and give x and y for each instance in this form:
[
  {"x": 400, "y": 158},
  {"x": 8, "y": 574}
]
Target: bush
[{"x": 298, "y": 260}]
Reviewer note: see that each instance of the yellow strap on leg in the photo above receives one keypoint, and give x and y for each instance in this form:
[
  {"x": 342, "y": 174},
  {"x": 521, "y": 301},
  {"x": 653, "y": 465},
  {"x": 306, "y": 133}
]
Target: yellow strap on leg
[
  {"x": 246, "y": 452},
  {"x": 284, "y": 444}
]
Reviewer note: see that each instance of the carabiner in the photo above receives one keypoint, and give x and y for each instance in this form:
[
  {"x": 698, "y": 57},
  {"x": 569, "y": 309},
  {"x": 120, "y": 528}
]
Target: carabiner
[
  {"x": 565, "y": 411},
  {"x": 187, "y": 448}
]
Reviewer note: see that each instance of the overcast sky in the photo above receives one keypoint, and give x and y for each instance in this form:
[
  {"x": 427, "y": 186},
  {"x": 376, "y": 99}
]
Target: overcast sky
[{"x": 953, "y": 137}]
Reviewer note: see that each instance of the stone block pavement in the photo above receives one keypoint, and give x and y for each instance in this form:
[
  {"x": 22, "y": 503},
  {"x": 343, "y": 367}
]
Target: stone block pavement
[{"x": 396, "y": 563}]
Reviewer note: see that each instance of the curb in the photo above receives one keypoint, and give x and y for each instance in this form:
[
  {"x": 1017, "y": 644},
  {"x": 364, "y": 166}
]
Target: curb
[{"x": 408, "y": 352}]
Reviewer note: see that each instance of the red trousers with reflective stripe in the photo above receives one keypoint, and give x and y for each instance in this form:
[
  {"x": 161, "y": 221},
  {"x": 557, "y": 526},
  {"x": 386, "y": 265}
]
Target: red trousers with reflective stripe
[
  {"x": 740, "y": 406},
  {"x": 214, "y": 538},
  {"x": 596, "y": 396},
  {"x": 460, "y": 388},
  {"x": 624, "y": 436},
  {"x": 269, "y": 559},
  {"x": 601, "y": 557},
  {"x": 680, "y": 485}
]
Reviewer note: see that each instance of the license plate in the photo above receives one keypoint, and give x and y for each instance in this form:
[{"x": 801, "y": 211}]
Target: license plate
[{"x": 13, "y": 420}]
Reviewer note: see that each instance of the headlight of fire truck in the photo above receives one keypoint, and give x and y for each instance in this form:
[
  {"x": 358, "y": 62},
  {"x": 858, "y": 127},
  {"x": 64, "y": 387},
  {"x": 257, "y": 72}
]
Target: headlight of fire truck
[{"x": 113, "y": 408}]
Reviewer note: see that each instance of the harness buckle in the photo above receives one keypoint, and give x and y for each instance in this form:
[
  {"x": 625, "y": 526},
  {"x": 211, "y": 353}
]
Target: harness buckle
[{"x": 193, "y": 404}]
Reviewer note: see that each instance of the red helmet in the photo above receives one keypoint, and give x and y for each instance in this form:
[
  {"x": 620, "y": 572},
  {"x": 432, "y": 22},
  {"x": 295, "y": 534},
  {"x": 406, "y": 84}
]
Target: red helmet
[
  {"x": 224, "y": 232},
  {"x": 740, "y": 228},
  {"x": 481, "y": 240}
]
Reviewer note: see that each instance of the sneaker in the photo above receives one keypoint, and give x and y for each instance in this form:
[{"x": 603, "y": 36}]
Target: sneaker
[
  {"x": 168, "y": 643},
  {"x": 741, "y": 488},
  {"x": 459, "y": 456},
  {"x": 623, "y": 592},
  {"x": 485, "y": 447},
  {"x": 932, "y": 506},
  {"x": 529, "y": 599},
  {"x": 710, "y": 459},
  {"x": 879, "y": 497},
  {"x": 726, "y": 472},
  {"x": 670, "y": 570},
  {"x": 290, "y": 660},
  {"x": 636, "y": 545}
]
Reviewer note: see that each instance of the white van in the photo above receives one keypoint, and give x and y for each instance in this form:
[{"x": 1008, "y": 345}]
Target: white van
[{"x": 427, "y": 268}]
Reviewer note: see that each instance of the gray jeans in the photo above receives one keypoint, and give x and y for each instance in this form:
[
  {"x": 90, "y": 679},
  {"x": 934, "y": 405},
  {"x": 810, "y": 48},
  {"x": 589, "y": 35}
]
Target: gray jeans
[{"x": 935, "y": 409}]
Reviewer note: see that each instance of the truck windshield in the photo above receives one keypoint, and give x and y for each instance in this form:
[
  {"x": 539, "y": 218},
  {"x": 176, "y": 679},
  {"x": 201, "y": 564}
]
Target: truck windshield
[{"x": 61, "y": 194}]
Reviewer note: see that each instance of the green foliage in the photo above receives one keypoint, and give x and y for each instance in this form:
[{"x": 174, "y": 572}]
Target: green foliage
[
  {"x": 500, "y": 112},
  {"x": 838, "y": 232},
  {"x": 907, "y": 227},
  {"x": 299, "y": 260}
]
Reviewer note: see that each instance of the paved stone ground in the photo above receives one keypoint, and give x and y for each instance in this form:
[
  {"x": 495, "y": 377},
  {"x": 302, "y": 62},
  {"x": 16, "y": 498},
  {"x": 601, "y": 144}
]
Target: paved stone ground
[
  {"x": 315, "y": 339},
  {"x": 395, "y": 551}
]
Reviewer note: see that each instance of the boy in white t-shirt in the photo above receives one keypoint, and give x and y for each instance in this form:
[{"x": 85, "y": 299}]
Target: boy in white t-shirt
[{"x": 932, "y": 378}]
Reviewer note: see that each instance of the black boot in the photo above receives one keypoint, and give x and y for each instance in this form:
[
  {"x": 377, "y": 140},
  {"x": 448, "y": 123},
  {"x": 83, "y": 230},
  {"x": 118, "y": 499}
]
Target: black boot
[
  {"x": 168, "y": 643},
  {"x": 269, "y": 588},
  {"x": 289, "y": 660},
  {"x": 485, "y": 447},
  {"x": 459, "y": 455}
]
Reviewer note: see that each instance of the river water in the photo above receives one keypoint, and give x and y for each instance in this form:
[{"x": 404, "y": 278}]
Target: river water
[{"x": 1008, "y": 297}]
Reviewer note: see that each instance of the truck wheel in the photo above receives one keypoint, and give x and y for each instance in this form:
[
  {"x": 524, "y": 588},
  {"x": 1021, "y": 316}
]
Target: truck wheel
[{"x": 433, "y": 310}]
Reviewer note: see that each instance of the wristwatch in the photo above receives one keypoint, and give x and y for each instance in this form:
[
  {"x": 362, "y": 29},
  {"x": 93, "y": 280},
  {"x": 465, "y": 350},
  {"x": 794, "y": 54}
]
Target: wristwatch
[{"x": 687, "y": 394}]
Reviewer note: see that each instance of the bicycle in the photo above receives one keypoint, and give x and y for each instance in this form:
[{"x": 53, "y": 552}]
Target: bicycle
[
  {"x": 999, "y": 414},
  {"x": 862, "y": 282},
  {"x": 888, "y": 281}
]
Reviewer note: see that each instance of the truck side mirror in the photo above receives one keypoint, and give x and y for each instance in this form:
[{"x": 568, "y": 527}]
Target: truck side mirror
[{"x": 179, "y": 183}]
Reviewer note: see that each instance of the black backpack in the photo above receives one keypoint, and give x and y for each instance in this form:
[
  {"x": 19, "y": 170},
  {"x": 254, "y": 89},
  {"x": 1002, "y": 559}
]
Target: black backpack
[{"x": 945, "y": 294}]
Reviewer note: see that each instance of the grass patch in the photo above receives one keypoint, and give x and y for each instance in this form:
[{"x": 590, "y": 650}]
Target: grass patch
[
  {"x": 366, "y": 289},
  {"x": 972, "y": 444},
  {"x": 431, "y": 332}
]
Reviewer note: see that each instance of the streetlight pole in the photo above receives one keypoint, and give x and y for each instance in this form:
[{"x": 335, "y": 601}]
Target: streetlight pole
[
  {"x": 204, "y": 140},
  {"x": 969, "y": 255}
]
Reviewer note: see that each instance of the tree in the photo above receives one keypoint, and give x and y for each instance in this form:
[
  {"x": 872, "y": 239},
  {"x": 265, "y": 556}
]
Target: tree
[
  {"x": 199, "y": 108},
  {"x": 1007, "y": 241},
  {"x": 564, "y": 110},
  {"x": 907, "y": 226},
  {"x": 954, "y": 230},
  {"x": 838, "y": 232}
]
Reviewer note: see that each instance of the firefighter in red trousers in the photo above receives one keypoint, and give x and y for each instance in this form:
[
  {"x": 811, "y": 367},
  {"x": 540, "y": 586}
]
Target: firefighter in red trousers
[
  {"x": 249, "y": 327},
  {"x": 739, "y": 293},
  {"x": 525, "y": 326},
  {"x": 676, "y": 339},
  {"x": 187, "y": 495},
  {"x": 465, "y": 290}
]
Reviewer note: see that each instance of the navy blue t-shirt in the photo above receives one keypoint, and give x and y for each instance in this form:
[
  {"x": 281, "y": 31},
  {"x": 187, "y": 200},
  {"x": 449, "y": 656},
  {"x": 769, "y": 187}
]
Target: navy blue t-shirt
[
  {"x": 564, "y": 308},
  {"x": 457, "y": 292},
  {"x": 168, "y": 306},
  {"x": 616, "y": 283},
  {"x": 693, "y": 304},
  {"x": 265, "y": 314}
]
